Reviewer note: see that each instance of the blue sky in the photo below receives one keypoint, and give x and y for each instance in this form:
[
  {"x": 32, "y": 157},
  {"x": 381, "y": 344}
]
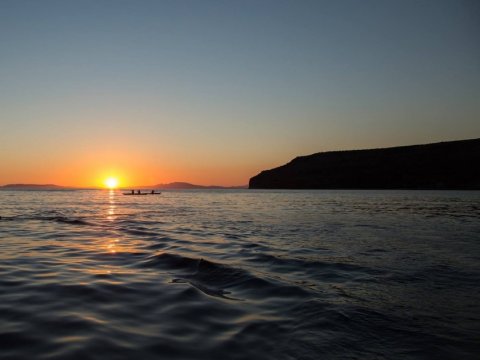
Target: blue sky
[{"x": 214, "y": 91}]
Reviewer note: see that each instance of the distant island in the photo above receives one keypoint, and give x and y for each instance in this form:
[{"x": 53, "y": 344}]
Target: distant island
[
  {"x": 445, "y": 165},
  {"x": 188, "y": 186},
  {"x": 34, "y": 187}
]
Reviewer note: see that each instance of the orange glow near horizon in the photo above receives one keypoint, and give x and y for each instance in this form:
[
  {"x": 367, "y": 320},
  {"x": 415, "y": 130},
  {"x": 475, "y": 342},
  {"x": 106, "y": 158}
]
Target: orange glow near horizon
[
  {"x": 94, "y": 175},
  {"x": 82, "y": 165},
  {"x": 92, "y": 168}
]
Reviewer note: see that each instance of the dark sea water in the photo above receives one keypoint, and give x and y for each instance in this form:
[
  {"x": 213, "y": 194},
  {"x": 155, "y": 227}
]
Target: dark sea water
[{"x": 240, "y": 275}]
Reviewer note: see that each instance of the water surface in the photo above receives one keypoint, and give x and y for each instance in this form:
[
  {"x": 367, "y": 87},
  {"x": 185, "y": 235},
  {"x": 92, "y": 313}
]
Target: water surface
[{"x": 240, "y": 275}]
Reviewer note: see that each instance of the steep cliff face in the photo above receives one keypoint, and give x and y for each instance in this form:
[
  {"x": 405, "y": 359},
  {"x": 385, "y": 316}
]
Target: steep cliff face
[{"x": 445, "y": 165}]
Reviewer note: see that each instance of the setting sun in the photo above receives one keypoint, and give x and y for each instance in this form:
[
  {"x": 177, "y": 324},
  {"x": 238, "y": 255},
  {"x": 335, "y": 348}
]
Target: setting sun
[{"x": 111, "y": 182}]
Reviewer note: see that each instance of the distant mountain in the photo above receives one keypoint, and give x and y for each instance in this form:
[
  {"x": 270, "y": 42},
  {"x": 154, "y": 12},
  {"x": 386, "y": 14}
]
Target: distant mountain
[
  {"x": 445, "y": 165},
  {"x": 33, "y": 187},
  {"x": 188, "y": 186}
]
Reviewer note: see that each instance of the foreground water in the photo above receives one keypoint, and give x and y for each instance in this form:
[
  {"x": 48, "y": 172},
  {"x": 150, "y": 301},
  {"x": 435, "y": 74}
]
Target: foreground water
[{"x": 239, "y": 275}]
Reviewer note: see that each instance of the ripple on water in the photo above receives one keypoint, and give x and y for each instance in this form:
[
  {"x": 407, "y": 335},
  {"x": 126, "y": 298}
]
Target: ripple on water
[{"x": 239, "y": 275}]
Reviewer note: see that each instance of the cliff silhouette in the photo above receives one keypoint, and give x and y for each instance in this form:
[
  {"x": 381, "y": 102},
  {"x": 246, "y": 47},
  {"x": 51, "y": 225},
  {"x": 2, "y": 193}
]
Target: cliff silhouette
[{"x": 444, "y": 165}]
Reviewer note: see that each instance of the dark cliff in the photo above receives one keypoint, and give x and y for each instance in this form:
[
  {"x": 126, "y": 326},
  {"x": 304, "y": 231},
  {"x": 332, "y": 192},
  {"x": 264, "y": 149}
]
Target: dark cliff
[{"x": 445, "y": 165}]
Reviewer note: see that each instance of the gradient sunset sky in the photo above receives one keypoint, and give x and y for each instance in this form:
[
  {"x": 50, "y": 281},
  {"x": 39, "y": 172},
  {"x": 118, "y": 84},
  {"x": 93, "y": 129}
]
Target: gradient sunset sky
[{"x": 212, "y": 92}]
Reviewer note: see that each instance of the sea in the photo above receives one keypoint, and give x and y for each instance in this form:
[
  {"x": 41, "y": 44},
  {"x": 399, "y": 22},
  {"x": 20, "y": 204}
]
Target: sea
[{"x": 243, "y": 274}]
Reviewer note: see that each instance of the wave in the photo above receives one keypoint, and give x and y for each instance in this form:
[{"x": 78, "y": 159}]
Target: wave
[
  {"x": 48, "y": 216},
  {"x": 289, "y": 264},
  {"x": 221, "y": 280}
]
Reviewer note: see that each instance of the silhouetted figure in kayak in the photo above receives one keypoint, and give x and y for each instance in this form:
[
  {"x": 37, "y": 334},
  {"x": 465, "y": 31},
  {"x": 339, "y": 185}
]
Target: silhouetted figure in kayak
[
  {"x": 133, "y": 192},
  {"x": 138, "y": 192},
  {"x": 153, "y": 191}
]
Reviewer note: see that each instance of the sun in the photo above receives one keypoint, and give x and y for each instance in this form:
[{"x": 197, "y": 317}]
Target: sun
[{"x": 111, "y": 182}]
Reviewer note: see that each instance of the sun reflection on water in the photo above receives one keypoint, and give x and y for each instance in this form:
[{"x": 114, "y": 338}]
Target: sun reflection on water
[
  {"x": 112, "y": 206},
  {"x": 112, "y": 246}
]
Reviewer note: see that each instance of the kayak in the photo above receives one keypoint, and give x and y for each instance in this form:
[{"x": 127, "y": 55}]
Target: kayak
[{"x": 156, "y": 193}]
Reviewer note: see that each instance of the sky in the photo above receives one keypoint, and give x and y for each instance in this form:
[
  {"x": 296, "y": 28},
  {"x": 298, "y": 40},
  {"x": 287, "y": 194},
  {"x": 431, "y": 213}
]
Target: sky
[{"x": 213, "y": 92}]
